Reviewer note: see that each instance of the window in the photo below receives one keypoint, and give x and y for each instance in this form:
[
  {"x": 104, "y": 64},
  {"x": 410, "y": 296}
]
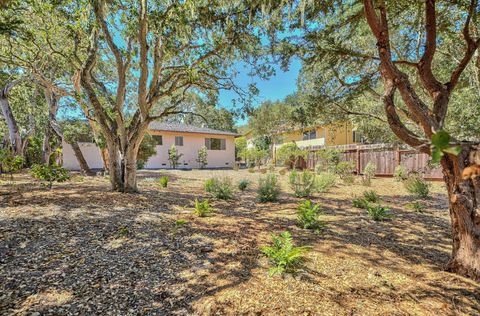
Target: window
[
  {"x": 357, "y": 137},
  {"x": 158, "y": 139},
  {"x": 310, "y": 134},
  {"x": 215, "y": 143},
  {"x": 178, "y": 140}
]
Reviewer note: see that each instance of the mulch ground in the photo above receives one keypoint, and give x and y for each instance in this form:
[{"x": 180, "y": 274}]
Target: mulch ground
[{"x": 79, "y": 249}]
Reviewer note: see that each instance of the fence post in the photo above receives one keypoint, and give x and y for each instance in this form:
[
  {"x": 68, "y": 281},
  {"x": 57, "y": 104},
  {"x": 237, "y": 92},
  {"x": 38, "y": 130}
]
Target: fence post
[
  {"x": 397, "y": 156},
  {"x": 358, "y": 161}
]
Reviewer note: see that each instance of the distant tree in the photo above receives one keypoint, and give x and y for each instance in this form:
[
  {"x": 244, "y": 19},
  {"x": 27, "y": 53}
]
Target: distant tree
[
  {"x": 174, "y": 157},
  {"x": 202, "y": 157}
]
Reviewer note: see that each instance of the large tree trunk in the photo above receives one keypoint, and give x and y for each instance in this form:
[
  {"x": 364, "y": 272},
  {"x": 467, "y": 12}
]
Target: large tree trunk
[
  {"x": 14, "y": 132},
  {"x": 464, "y": 197},
  {"x": 84, "y": 168},
  {"x": 115, "y": 169}
]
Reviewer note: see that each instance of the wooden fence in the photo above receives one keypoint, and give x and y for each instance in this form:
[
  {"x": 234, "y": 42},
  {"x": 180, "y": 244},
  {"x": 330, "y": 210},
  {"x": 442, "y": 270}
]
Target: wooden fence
[{"x": 385, "y": 157}]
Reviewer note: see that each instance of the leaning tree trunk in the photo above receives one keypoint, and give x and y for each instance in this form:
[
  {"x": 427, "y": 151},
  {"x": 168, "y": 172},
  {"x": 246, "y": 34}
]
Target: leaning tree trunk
[
  {"x": 464, "y": 198},
  {"x": 84, "y": 168},
  {"x": 13, "y": 130}
]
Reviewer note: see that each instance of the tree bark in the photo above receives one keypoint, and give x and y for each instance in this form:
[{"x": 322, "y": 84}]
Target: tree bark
[
  {"x": 84, "y": 168},
  {"x": 115, "y": 169},
  {"x": 464, "y": 197},
  {"x": 13, "y": 130}
]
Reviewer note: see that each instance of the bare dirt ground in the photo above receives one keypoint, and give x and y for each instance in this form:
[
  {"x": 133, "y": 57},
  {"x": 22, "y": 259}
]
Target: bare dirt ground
[{"x": 79, "y": 249}]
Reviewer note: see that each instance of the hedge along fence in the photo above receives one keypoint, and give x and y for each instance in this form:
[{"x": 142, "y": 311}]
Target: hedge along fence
[{"x": 385, "y": 157}]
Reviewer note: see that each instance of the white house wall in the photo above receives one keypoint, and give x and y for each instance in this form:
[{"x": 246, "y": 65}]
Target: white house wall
[{"x": 90, "y": 152}]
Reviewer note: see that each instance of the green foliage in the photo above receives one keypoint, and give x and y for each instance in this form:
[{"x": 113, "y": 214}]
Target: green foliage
[
  {"x": 255, "y": 156},
  {"x": 324, "y": 181},
  {"x": 219, "y": 188},
  {"x": 203, "y": 208},
  {"x": 284, "y": 255},
  {"x": 34, "y": 152},
  {"x": 49, "y": 173},
  {"x": 202, "y": 157},
  {"x": 378, "y": 212},
  {"x": 240, "y": 147},
  {"x": 416, "y": 206},
  {"x": 345, "y": 169},
  {"x": 163, "y": 181},
  {"x": 400, "y": 173},
  {"x": 180, "y": 223},
  {"x": 302, "y": 183},
  {"x": 289, "y": 154},
  {"x": 308, "y": 214},
  {"x": 441, "y": 145},
  {"x": 174, "y": 157},
  {"x": 368, "y": 173},
  {"x": 147, "y": 149},
  {"x": 360, "y": 203},
  {"x": 416, "y": 185},
  {"x": 328, "y": 159},
  {"x": 268, "y": 188},
  {"x": 243, "y": 184},
  {"x": 371, "y": 196},
  {"x": 10, "y": 163},
  {"x": 123, "y": 232}
]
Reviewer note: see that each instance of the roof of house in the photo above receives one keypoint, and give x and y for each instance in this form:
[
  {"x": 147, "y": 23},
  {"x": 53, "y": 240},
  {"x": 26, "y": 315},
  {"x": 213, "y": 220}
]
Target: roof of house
[{"x": 185, "y": 128}]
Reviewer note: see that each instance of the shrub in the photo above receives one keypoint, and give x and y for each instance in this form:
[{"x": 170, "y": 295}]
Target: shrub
[
  {"x": 219, "y": 188},
  {"x": 378, "y": 212},
  {"x": 308, "y": 214},
  {"x": 360, "y": 203},
  {"x": 400, "y": 173},
  {"x": 371, "y": 196},
  {"x": 174, "y": 157},
  {"x": 284, "y": 255},
  {"x": 243, "y": 184},
  {"x": 416, "y": 206},
  {"x": 163, "y": 181},
  {"x": 345, "y": 170},
  {"x": 202, "y": 208},
  {"x": 268, "y": 188},
  {"x": 368, "y": 174},
  {"x": 9, "y": 162},
  {"x": 49, "y": 173},
  {"x": 324, "y": 181},
  {"x": 289, "y": 154},
  {"x": 202, "y": 157},
  {"x": 147, "y": 149},
  {"x": 302, "y": 183},
  {"x": 329, "y": 158},
  {"x": 417, "y": 186}
]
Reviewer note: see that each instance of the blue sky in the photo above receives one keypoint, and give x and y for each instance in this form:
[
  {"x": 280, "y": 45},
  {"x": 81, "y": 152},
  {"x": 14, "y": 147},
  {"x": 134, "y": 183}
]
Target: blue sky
[{"x": 277, "y": 87}]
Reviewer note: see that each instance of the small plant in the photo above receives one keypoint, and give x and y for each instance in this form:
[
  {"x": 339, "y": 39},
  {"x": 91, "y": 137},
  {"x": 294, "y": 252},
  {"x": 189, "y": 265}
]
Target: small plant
[
  {"x": 202, "y": 157},
  {"x": 308, "y": 214},
  {"x": 251, "y": 170},
  {"x": 268, "y": 188},
  {"x": 324, "y": 181},
  {"x": 284, "y": 255},
  {"x": 243, "y": 184},
  {"x": 219, "y": 188},
  {"x": 371, "y": 196},
  {"x": 360, "y": 203},
  {"x": 49, "y": 173},
  {"x": 345, "y": 169},
  {"x": 180, "y": 222},
  {"x": 123, "y": 232},
  {"x": 378, "y": 212},
  {"x": 416, "y": 206},
  {"x": 302, "y": 183},
  {"x": 174, "y": 157},
  {"x": 417, "y": 186},
  {"x": 163, "y": 181},
  {"x": 203, "y": 208},
  {"x": 400, "y": 173},
  {"x": 368, "y": 174},
  {"x": 10, "y": 163}
]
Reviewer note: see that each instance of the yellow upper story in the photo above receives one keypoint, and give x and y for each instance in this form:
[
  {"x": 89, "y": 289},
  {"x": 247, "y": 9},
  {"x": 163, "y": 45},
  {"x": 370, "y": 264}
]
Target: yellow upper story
[{"x": 341, "y": 133}]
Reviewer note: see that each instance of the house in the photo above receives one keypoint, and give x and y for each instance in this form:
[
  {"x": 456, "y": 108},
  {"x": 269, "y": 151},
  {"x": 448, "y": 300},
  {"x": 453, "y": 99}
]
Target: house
[{"x": 187, "y": 139}]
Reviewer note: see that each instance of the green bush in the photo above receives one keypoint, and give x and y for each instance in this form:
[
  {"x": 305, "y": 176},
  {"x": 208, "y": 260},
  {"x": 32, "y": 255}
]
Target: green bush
[
  {"x": 417, "y": 186},
  {"x": 219, "y": 188},
  {"x": 243, "y": 184},
  {"x": 202, "y": 157},
  {"x": 360, "y": 203},
  {"x": 289, "y": 154},
  {"x": 147, "y": 149},
  {"x": 268, "y": 188},
  {"x": 203, "y": 208},
  {"x": 345, "y": 169},
  {"x": 284, "y": 255},
  {"x": 163, "y": 181},
  {"x": 400, "y": 173},
  {"x": 324, "y": 181},
  {"x": 416, "y": 206},
  {"x": 302, "y": 183},
  {"x": 9, "y": 162},
  {"x": 174, "y": 157},
  {"x": 329, "y": 158},
  {"x": 308, "y": 214},
  {"x": 378, "y": 212},
  {"x": 368, "y": 174},
  {"x": 49, "y": 173},
  {"x": 371, "y": 196}
]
